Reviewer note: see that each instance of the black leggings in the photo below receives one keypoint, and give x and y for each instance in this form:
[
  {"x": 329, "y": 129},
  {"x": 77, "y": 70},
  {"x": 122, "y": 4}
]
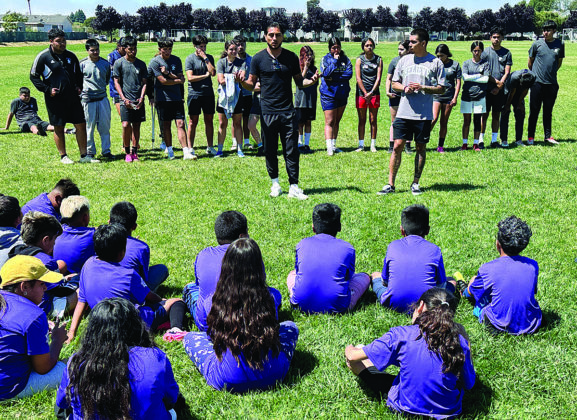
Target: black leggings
[
  {"x": 378, "y": 382},
  {"x": 546, "y": 95}
]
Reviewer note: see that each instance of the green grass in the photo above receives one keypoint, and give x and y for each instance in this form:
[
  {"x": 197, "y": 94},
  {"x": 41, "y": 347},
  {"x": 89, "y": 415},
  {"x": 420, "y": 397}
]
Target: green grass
[{"x": 467, "y": 193}]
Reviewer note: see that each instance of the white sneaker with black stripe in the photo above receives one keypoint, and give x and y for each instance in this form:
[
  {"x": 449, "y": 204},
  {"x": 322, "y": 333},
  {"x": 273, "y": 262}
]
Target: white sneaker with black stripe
[{"x": 415, "y": 189}]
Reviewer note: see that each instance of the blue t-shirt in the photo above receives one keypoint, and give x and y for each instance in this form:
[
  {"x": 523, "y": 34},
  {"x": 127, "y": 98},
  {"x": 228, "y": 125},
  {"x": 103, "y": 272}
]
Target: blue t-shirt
[
  {"x": 74, "y": 246},
  {"x": 324, "y": 266},
  {"x": 412, "y": 266},
  {"x": 152, "y": 384},
  {"x": 421, "y": 387},
  {"x": 335, "y": 77},
  {"x": 23, "y": 333},
  {"x": 510, "y": 284},
  {"x": 207, "y": 272},
  {"x": 100, "y": 280},
  {"x": 41, "y": 203},
  {"x": 137, "y": 257}
]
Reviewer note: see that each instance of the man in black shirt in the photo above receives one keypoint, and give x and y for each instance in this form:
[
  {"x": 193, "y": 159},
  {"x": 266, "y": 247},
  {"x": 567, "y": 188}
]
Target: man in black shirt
[
  {"x": 25, "y": 109},
  {"x": 56, "y": 72},
  {"x": 276, "y": 67}
]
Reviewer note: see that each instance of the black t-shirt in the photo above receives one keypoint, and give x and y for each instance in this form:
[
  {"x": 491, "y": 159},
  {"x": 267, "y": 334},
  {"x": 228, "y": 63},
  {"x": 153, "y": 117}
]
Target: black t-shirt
[
  {"x": 24, "y": 111},
  {"x": 275, "y": 80}
]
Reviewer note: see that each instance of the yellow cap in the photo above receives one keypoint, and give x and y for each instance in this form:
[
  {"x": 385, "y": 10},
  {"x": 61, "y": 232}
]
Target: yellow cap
[{"x": 24, "y": 268}]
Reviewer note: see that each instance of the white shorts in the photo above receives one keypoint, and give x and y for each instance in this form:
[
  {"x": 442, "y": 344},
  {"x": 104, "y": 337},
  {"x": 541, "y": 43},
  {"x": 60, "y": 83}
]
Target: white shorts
[{"x": 473, "y": 107}]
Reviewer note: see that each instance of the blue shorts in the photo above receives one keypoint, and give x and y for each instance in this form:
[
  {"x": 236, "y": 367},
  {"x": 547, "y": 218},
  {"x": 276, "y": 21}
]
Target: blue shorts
[{"x": 328, "y": 103}]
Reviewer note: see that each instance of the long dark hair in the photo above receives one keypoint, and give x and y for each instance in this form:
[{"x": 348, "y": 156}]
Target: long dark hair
[
  {"x": 440, "y": 330},
  {"x": 243, "y": 317},
  {"x": 304, "y": 52},
  {"x": 227, "y": 44},
  {"x": 99, "y": 371}
]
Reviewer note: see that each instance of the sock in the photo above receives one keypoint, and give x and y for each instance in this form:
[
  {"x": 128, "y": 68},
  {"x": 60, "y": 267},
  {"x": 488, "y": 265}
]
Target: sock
[
  {"x": 169, "y": 148},
  {"x": 482, "y": 138},
  {"x": 476, "y": 141},
  {"x": 176, "y": 314},
  {"x": 127, "y": 150},
  {"x": 83, "y": 156},
  {"x": 391, "y": 144},
  {"x": 239, "y": 147},
  {"x": 234, "y": 141},
  {"x": 134, "y": 150},
  {"x": 307, "y": 138},
  {"x": 441, "y": 141},
  {"x": 63, "y": 156},
  {"x": 465, "y": 141},
  {"x": 274, "y": 181},
  {"x": 219, "y": 147},
  {"x": 246, "y": 141},
  {"x": 362, "y": 143},
  {"x": 373, "y": 142},
  {"x": 494, "y": 137},
  {"x": 300, "y": 139}
]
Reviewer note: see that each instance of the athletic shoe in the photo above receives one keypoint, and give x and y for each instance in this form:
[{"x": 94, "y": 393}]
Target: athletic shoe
[
  {"x": 135, "y": 157},
  {"x": 307, "y": 149},
  {"x": 530, "y": 141},
  {"x": 476, "y": 148},
  {"x": 193, "y": 155},
  {"x": 441, "y": 149},
  {"x": 481, "y": 145},
  {"x": 301, "y": 148},
  {"x": 551, "y": 140},
  {"x": 249, "y": 146},
  {"x": 337, "y": 150},
  {"x": 219, "y": 154},
  {"x": 373, "y": 148},
  {"x": 408, "y": 149},
  {"x": 239, "y": 153},
  {"x": 107, "y": 155},
  {"x": 494, "y": 144},
  {"x": 128, "y": 158},
  {"x": 465, "y": 146},
  {"x": 504, "y": 144},
  {"x": 275, "y": 190},
  {"x": 170, "y": 154},
  {"x": 187, "y": 156},
  {"x": 387, "y": 189},
  {"x": 233, "y": 146},
  {"x": 162, "y": 146},
  {"x": 260, "y": 151},
  {"x": 330, "y": 150},
  {"x": 520, "y": 143},
  {"x": 296, "y": 192},
  {"x": 88, "y": 159},
  {"x": 360, "y": 149},
  {"x": 415, "y": 189},
  {"x": 210, "y": 151},
  {"x": 66, "y": 160},
  {"x": 70, "y": 131}
]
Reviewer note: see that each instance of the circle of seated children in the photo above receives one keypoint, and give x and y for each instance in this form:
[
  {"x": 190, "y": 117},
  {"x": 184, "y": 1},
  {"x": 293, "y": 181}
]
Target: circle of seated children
[{"x": 231, "y": 276}]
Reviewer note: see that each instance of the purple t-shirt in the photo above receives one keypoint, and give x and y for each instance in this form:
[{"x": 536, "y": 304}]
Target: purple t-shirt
[
  {"x": 137, "y": 257},
  {"x": 151, "y": 381},
  {"x": 41, "y": 203},
  {"x": 324, "y": 266},
  {"x": 510, "y": 284},
  {"x": 51, "y": 264},
  {"x": 421, "y": 387},
  {"x": 74, "y": 246},
  {"x": 100, "y": 280},
  {"x": 23, "y": 333},
  {"x": 207, "y": 272},
  {"x": 412, "y": 266}
]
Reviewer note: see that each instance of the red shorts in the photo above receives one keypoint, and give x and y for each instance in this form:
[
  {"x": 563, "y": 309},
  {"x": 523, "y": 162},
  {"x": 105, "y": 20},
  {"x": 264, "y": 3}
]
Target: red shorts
[{"x": 374, "y": 102}]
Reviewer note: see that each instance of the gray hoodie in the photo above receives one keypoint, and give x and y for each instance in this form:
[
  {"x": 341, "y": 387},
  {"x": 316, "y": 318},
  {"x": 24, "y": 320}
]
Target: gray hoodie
[{"x": 9, "y": 237}]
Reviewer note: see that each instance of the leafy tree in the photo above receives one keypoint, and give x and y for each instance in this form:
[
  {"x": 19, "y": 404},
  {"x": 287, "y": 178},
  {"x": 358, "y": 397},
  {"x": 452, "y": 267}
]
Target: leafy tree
[
  {"x": 106, "y": 20},
  {"x": 296, "y": 22},
  {"x": 482, "y": 21},
  {"x": 132, "y": 24},
  {"x": 440, "y": 20},
  {"x": 203, "y": 19},
  {"x": 149, "y": 19},
  {"x": 541, "y": 17},
  {"x": 314, "y": 21},
  {"x": 312, "y": 4},
  {"x": 571, "y": 21},
  {"x": 369, "y": 19},
  {"x": 180, "y": 16},
  {"x": 384, "y": 18},
  {"x": 356, "y": 21},
  {"x": 88, "y": 22},
  {"x": 11, "y": 20},
  {"x": 77, "y": 16},
  {"x": 402, "y": 17},
  {"x": 457, "y": 20},
  {"x": 223, "y": 18},
  {"x": 280, "y": 18},
  {"x": 424, "y": 19},
  {"x": 240, "y": 19},
  {"x": 542, "y": 5},
  {"x": 257, "y": 21},
  {"x": 331, "y": 22}
]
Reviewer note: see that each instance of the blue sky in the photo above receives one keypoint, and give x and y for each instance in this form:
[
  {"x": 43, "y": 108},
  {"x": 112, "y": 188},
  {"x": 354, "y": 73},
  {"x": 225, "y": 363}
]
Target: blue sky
[{"x": 130, "y": 6}]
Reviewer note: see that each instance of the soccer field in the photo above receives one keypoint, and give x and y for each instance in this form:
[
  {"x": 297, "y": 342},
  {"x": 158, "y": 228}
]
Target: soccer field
[{"x": 467, "y": 194}]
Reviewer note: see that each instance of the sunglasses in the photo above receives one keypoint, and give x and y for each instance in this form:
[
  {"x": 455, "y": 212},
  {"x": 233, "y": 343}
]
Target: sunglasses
[{"x": 275, "y": 65}]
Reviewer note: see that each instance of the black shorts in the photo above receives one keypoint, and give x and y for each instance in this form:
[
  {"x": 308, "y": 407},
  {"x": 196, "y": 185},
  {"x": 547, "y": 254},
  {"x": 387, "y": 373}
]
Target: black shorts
[
  {"x": 237, "y": 108},
  {"x": 495, "y": 101},
  {"x": 204, "y": 104},
  {"x": 419, "y": 130},
  {"x": 132, "y": 115},
  {"x": 65, "y": 109},
  {"x": 170, "y": 110},
  {"x": 27, "y": 125},
  {"x": 255, "y": 109},
  {"x": 246, "y": 102},
  {"x": 306, "y": 114},
  {"x": 394, "y": 101}
]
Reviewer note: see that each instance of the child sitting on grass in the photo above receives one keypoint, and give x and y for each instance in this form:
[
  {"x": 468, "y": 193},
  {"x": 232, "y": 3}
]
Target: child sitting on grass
[
  {"x": 433, "y": 355},
  {"x": 244, "y": 348},
  {"x": 412, "y": 264},
  {"x": 324, "y": 279},
  {"x": 103, "y": 277},
  {"x": 137, "y": 251},
  {"x": 504, "y": 289},
  {"x": 25, "y": 109}
]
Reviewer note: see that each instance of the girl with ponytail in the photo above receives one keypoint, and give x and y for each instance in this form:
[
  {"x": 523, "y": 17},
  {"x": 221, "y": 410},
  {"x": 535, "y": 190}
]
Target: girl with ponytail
[{"x": 433, "y": 356}]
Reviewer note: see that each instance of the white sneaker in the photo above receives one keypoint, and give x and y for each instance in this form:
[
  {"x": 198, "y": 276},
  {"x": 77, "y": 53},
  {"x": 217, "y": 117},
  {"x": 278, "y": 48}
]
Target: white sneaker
[
  {"x": 170, "y": 154},
  {"x": 234, "y": 146},
  {"x": 211, "y": 151},
  {"x": 240, "y": 153},
  {"x": 66, "y": 160},
  {"x": 360, "y": 149},
  {"x": 330, "y": 150},
  {"x": 275, "y": 190},
  {"x": 296, "y": 192},
  {"x": 187, "y": 155},
  {"x": 193, "y": 155},
  {"x": 373, "y": 148},
  {"x": 88, "y": 159}
]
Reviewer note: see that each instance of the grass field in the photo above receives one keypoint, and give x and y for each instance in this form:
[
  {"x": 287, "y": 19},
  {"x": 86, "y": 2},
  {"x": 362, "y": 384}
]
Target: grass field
[{"x": 467, "y": 194}]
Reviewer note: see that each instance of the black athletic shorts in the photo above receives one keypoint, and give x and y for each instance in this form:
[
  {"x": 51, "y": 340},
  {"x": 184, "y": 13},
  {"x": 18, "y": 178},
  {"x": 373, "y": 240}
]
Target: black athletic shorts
[
  {"x": 26, "y": 125},
  {"x": 255, "y": 109},
  {"x": 237, "y": 108},
  {"x": 132, "y": 115},
  {"x": 64, "y": 109},
  {"x": 419, "y": 130},
  {"x": 204, "y": 104},
  {"x": 306, "y": 114},
  {"x": 246, "y": 102},
  {"x": 394, "y": 101},
  {"x": 495, "y": 101},
  {"x": 170, "y": 110}
]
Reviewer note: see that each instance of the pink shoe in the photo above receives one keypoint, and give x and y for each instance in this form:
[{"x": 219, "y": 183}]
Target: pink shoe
[
  {"x": 441, "y": 149},
  {"x": 171, "y": 336},
  {"x": 128, "y": 158},
  {"x": 551, "y": 140},
  {"x": 135, "y": 157}
]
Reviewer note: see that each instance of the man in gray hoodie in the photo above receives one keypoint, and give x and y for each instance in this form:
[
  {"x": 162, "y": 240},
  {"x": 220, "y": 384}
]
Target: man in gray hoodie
[{"x": 10, "y": 217}]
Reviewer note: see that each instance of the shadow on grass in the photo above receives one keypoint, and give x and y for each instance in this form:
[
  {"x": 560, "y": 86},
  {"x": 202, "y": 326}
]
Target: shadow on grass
[
  {"x": 165, "y": 290},
  {"x": 368, "y": 299},
  {"x": 327, "y": 190},
  {"x": 550, "y": 320},
  {"x": 303, "y": 363},
  {"x": 454, "y": 187},
  {"x": 477, "y": 401},
  {"x": 183, "y": 410},
  {"x": 285, "y": 315}
]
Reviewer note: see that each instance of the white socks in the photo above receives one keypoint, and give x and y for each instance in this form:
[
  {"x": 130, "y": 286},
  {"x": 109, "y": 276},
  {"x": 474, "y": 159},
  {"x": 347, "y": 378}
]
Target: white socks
[{"x": 361, "y": 143}]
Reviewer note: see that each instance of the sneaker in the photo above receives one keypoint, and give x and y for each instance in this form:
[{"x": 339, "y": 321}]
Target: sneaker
[
  {"x": 219, "y": 155},
  {"x": 170, "y": 154},
  {"x": 239, "y": 153},
  {"x": 408, "y": 149},
  {"x": 482, "y": 145},
  {"x": 233, "y": 146},
  {"x": 162, "y": 146},
  {"x": 530, "y": 141},
  {"x": 187, "y": 156},
  {"x": 296, "y": 192},
  {"x": 249, "y": 146},
  {"x": 211, "y": 151},
  {"x": 193, "y": 155},
  {"x": 520, "y": 143},
  {"x": 307, "y": 149},
  {"x": 360, "y": 149},
  {"x": 441, "y": 149},
  {"x": 88, "y": 159},
  {"x": 476, "y": 148},
  {"x": 107, "y": 155},
  {"x": 466, "y": 147},
  {"x": 504, "y": 144},
  {"x": 70, "y": 131},
  {"x": 337, "y": 150},
  {"x": 551, "y": 140},
  {"x": 390, "y": 149},
  {"x": 128, "y": 158},
  {"x": 275, "y": 190},
  {"x": 387, "y": 189},
  {"x": 330, "y": 150},
  {"x": 373, "y": 148},
  {"x": 494, "y": 144},
  {"x": 260, "y": 151},
  {"x": 135, "y": 157},
  {"x": 66, "y": 160},
  {"x": 415, "y": 189}
]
